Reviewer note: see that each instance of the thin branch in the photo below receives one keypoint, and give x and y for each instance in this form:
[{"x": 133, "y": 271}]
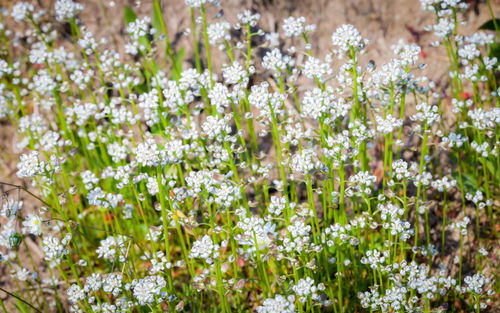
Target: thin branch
[
  {"x": 26, "y": 190},
  {"x": 20, "y": 299}
]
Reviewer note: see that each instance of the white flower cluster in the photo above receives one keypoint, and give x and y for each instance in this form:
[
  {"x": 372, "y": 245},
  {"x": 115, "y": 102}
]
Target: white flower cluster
[
  {"x": 197, "y": 3},
  {"x": 20, "y": 11},
  {"x": 88, "y": 43},
  {"x": 299, "y": 237},
  {"x": 149, "y": 289},
  {"x": 294, "y": 27},
  {"x": 215, "y": 127},
  {"x": 478, "y": 284},
  {"x": 147, "y": 153},
  {"x": 277, "y": 205},
  {"x": 67, "y": 9},
  {"x": 53, "y": 249},
  {"x": 219, "y": 97},
  {"x": 33, "y": 224},
  {"x": 454, "y": 140},
  {"x": 30, "y": 166},
  {"x": 277, "y": 304},
  {"x": 257, "y": 233},
  {"x": 375, "y": 258},
  {"x": 485, "y": 119},
  {"x": 139, "y": 28},
  {"x": 426, "y": 113},
  {"x": 205, "y": 249},
  {"x": 388, "y": 124},
  {"x": 362, "y": 182},
  {"x": 276, "y": 62},
  {"x": 305, "y": 162},
  {"x": 218, "y": 31},
  {"x": 306, "y": 287},
  {"x": 112, "y": 247},
  {"x": 443, "y": 184},
  {"x": 317, "y": 103},
  {"x": 226, "y": 194},
  {"x": 248, "y": 18},
  {"x": 347, "y": 37}
]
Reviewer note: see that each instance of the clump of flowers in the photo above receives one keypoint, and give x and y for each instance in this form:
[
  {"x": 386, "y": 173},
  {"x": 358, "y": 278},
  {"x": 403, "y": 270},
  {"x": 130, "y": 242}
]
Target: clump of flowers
[{"x": 280, "y": 182}]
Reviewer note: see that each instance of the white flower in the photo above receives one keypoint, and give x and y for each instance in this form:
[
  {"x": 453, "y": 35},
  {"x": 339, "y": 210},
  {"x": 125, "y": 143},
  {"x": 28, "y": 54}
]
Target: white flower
[
  {"x": 33, "y": 224},
  {"x": 234, "y": 73},
  {"x": 219, "y": 97},
  {"x": 218, "y": 31},
  {"x": 468, "y": 53},
  {"x": 53, "y": 249},
  {"x": 294, "y": 27},
  {"x": 88, "y": 43},
  {"x": 110, "y": 247},
  {"x": 197, "y": 3},
  {"x": 149, "y": 289},
  {"x": 20, "y": 10},
  {"x": 248, "y": 18},
  {"x": 10, "y": 208},
  {"x": 66, "y": 9},
  {"x": 387, "y": 125},
  {"x": 278, "y": 304},
  {"x": 23, "y": 274},
  {"x": 138, "y": 28},
  {"x": 75, "y": 293},
  {"x": 257, "y": 233},
  {"x": 315, "y": 69},
  {"x": 147, "y": 153},
  {"x": 426, "y": 113},
  {"x": 204, "y": 248},
  {"x": 275, "y": 61},
  {"x": 347, "y": 37},
  {"x": 29, "y": 165},
  {"x": 443, "y": 28},
  {"x": 305, "y": 161},
  {"x": 213, "y": 127},
  {"x": 317, "y": 102},
  {"x": 304, "y": 288}
]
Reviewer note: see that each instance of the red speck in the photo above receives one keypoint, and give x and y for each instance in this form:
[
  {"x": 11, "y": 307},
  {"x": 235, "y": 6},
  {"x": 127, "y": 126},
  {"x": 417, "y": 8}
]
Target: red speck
[
  {"x": 240, "y": 262},
  {"x": 422, "y": 53},
  {"x": 414, "y": 33},
  {"x": 109, "y": 216},
  {"x": 465, "y": 95}
]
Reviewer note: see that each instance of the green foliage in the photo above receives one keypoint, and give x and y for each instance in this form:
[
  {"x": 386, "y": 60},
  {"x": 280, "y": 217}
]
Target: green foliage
[
  {"x": 129, "y": 15},
  {"x": 490, "y": 25}
]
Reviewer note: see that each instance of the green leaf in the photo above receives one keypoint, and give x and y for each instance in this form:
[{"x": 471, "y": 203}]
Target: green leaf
[
  {"x": 144, "y": 42},
  {"x": 490, "y": 25},
  {"x": 491, "y": 167},
  {"x": 469, "y": 182},
  {"x": 156, "y": 130},
  {"x": 129, "y": 15},
  {"x": 21, "y": 307},
  {"x": 157, "y": 23},
  {"x": 494, "y": 50},
  {"x": 178, "y": 63},
  {"x": 156, "y": 66},
  {"x": 142, "y": 88}
]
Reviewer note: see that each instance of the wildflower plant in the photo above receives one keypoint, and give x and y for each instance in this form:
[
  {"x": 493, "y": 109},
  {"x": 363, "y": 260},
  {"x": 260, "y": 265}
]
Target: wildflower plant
[{"x": 154, "y": 191}]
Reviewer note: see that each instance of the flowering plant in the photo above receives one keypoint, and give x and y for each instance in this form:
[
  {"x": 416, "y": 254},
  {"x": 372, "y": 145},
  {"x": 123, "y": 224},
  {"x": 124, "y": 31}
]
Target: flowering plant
[{"x": 280, "y": 182}]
